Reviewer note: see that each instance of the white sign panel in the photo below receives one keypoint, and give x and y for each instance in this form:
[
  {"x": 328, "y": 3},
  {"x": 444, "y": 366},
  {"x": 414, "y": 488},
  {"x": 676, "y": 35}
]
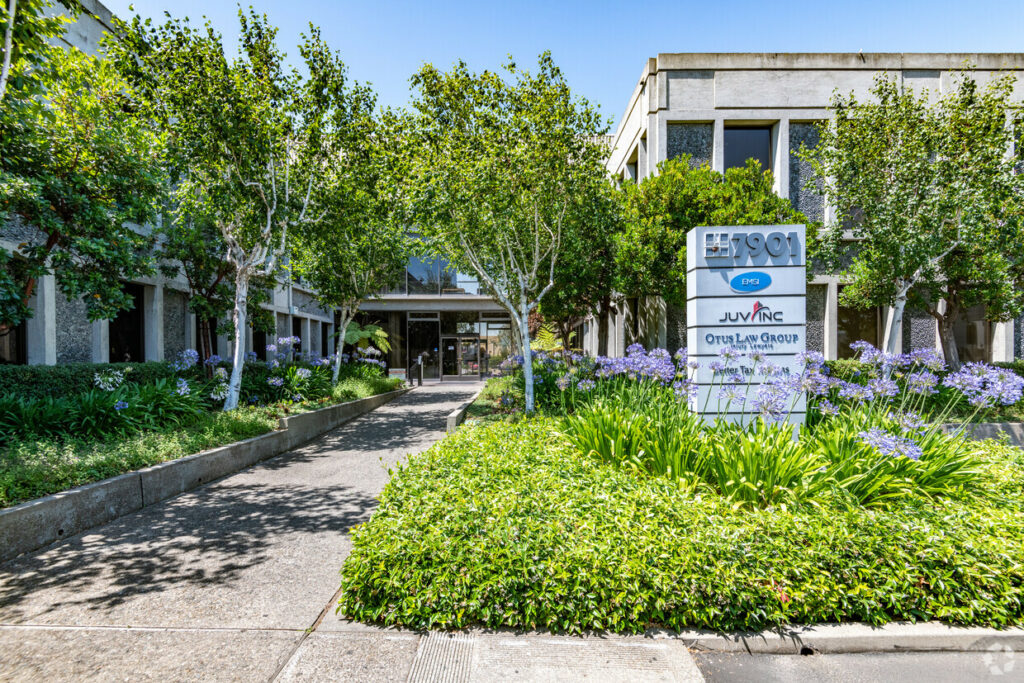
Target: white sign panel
[
  {"x": 752, "y": 282},
  {"x": 746, "y": 288}
]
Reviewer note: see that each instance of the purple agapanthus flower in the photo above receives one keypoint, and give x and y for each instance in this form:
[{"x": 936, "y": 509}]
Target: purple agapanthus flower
[{"x": 890, "y": 444}]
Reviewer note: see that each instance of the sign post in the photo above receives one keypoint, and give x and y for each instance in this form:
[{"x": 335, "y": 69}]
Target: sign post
[{"x": 745, "y": 288}]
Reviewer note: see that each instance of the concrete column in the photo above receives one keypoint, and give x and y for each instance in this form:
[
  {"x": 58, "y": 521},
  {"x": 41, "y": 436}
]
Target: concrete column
[
  {"x": 153, "y": 320},
  {"x": 718, "y": 147},
  {"x": 831, "y": 322},
  {"x": 224, "y": 345},
  {"x": 307, "y": 340},
  {"x": 1002, "y": 342},
  {"x": 780, "y": 158},
  {"x": 41, "y": 328},
  {"x": 190, "y": 330},
  {"x": 314, "y": 346},
  {"x": 101, "y": 341}
]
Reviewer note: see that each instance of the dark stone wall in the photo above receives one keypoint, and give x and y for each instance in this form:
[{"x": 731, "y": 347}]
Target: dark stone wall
[
  {"x": 804, "y": 199},
  {"x": 1018, "y": 338},
  {"x": 175, "y": 314},
  {"x": 918, "y": 330},
  {"x": 675, "y": 320},
  {"x": 74, "y": 331},
  {"x": 815, "y": 302},
  {"x": 695, "y": 139}
]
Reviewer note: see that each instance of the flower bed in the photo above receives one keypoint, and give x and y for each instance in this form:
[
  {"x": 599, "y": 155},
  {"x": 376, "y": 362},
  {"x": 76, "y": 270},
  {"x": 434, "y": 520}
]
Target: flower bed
[
  {"x": 622, "y": 509},
  {"x": 52, "y": 444},
  {"x": 505, "y": 525}
]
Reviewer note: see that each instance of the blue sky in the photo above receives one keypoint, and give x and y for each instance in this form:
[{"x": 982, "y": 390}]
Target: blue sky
[{"x": 601, "y": 46}]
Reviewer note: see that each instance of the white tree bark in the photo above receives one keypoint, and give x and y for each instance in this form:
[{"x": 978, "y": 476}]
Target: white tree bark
[
  {"x": 238, "y": 318},
  {"x": 347, "y": 313},
  {"x": 5, "y": 70},
  {"x": 524, "y": 333}
]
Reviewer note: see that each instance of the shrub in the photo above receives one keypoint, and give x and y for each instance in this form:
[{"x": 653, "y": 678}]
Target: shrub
[
  {"x": 504, "y": 527},
  {"x": 40, "y": 381}
]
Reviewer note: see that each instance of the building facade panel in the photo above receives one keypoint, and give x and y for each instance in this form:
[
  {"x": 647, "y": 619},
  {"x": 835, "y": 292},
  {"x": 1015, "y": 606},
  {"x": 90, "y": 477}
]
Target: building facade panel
[
  {"x": 74, "y": 331},
  {"x": 175, "y": 323},
  {"x": 695, "y": 139}
]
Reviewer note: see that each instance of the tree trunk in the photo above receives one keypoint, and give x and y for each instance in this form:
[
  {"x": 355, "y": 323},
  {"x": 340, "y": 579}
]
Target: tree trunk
[
  {"x": 339, "y": 346},
  {"x": 947, "y": 325},
  {"x": 238, "y": 318},
  {"x": 565, "y": 332},
  {"x": 602, "y": 326},
  {"x": 895, "y": 324},
  {"x": 524, "y": 332}
]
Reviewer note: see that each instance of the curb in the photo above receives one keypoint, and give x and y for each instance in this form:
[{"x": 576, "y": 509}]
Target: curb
[
  {"x": 854, "y": 638},
  {"x": 456, "y": 417},
  {"x": 40, "y": 522}
]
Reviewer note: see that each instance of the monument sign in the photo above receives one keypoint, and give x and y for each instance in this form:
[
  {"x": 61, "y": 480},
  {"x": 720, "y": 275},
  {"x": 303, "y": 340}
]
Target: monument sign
[{"x": 745, "y": 289}]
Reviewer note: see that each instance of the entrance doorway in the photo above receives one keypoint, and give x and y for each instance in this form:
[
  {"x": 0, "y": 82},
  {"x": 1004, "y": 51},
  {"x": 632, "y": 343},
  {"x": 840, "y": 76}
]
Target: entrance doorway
[{"x": 460, "y": 357}]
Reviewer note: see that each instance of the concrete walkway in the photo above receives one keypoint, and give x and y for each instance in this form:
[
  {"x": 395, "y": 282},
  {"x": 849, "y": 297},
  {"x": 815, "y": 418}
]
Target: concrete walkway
[{"x": 238, "y": 580}]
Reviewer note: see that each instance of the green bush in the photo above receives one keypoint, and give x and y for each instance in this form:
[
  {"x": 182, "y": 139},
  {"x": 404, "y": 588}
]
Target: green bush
[
  {"x": 33, "y": 468},
  {"x": 503, "y": 526},
  {"x": 41, "y": 381}
]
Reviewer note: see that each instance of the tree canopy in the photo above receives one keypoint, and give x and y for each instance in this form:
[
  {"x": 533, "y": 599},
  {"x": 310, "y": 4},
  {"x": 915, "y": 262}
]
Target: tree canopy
[
  {"x": 925, "y": 186},
  {"x": 81, "y": 167},
  {"x": 501, "y": 164},
  {"x": 659, "y": 211}
]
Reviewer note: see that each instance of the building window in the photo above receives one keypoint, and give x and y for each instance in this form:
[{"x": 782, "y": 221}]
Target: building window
[
  {"x": 13, "y": 348},
  {"x": 127, "y": 330},
  {"x": 259, "y": 344},
  {"x": 973, "y": 334},
  {"x": 748, "y": 143},
  {"x": 424, "y": 275},
  {"x": 856, "y": 324},
  {"x": 297, "y": 332},
  {"x": 325, "y": 342}
]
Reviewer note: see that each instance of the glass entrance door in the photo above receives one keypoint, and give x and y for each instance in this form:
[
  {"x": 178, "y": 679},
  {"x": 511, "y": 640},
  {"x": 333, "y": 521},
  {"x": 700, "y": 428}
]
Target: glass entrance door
[{"x": 460, "y": 356}]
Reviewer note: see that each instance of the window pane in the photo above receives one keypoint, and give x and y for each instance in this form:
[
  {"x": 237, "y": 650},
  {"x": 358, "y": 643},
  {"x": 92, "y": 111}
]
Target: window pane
[
  {"x": 424, "y": 276},
  {"x": 748, "y": 143},
  {"x": 856, "y": 325},
  {"x": 973, "y": 335}
]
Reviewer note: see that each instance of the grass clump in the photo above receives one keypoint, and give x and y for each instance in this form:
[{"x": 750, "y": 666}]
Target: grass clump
[{"x": 506, "y": 526}]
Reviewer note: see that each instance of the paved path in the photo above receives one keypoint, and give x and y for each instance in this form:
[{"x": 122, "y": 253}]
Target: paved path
[{"x": 237, "y": 580}]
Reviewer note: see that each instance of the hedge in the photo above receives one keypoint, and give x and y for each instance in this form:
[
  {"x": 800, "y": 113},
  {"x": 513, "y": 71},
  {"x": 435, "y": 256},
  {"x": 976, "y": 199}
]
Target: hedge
[
  {"x": 39, "y": 381},
  {"x": 502, "y": 526}
]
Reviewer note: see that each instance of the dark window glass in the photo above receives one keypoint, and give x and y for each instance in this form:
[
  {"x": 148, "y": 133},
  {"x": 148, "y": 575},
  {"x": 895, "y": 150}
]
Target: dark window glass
[
  {"x": 127, "y": 329},
  {"x": 748, "y": 143},
  {"x": 297, "y": 332},
  {"x": 424, "y": 276},
  {"x": 325, "y": 342},
  {"x": 424, "y": 342},
  {"x": 13, "y": 349},
  {"x": 856, "y": 324},
  {"x": 973, "y": 335},
  {"x": 259, "y": 344}
]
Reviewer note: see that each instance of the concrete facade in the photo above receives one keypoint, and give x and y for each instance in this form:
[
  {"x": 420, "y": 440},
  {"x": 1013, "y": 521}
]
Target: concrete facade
[
  {"x": 59, "y": 330},
  {"x": 685, "y": 103}
]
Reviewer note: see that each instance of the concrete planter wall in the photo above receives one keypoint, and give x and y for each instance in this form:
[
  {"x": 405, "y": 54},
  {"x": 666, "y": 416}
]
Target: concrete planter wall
[
  {"x": 32, "y": 525},
  {"x": 992, "y": 430}
]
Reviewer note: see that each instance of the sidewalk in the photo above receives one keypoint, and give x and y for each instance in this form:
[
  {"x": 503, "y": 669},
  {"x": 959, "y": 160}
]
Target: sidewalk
[{"x": 237, "y": 580}]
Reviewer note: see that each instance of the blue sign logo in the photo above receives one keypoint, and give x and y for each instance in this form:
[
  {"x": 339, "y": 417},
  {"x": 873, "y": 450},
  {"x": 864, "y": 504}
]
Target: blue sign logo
[{"x": 750, "y": 282}]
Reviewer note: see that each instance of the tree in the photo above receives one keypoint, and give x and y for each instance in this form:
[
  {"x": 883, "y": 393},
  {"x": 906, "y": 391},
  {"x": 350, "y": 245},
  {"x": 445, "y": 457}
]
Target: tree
[
  {"x": 253, "y": 141},
  {"x": 659, "y": 211},
  {"x": 196, "y": 251},
  {"x": 360, "y": 247},
  {"x": 585, "y": 273},
  {"x": 79, "y": 167},
  {"x": 930, "y": 194},
  {"x": 502, "y": 163},
  {"x": 27, "y": 27}
]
